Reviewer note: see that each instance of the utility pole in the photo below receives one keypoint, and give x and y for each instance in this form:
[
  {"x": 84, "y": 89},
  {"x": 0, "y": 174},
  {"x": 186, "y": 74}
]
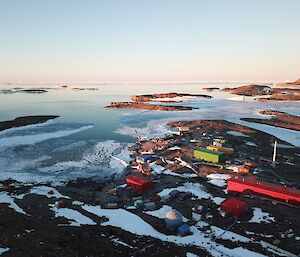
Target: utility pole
[{"x": 274, "y": 155}]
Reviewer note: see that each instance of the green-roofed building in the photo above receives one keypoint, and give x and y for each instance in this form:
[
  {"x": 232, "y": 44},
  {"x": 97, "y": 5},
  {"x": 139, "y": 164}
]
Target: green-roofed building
[{"x": 209, "y": 156}]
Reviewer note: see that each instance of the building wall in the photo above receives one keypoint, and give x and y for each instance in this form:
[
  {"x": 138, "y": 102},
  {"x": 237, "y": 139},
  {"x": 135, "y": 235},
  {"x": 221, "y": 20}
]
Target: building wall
[
  {"x": 209, "y": 157},
  {"x": 240, "y": 187}
]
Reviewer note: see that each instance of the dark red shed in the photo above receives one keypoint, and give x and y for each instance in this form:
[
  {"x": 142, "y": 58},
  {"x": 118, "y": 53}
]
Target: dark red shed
[
  {"x": 139, "y": 182},
  {"x": 234, "y": 206}
]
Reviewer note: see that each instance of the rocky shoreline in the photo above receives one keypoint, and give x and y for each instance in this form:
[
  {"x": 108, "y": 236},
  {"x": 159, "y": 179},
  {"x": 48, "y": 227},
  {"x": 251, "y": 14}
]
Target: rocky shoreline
[
  {"x": 167, "y": 97},
  {"x": 271, "y": 93},
  {"x": 143, "y": 102},
  {"x": 150, "y": 107},
  {"x": 279, "y": 119},
  {"x": 26, "y": 120}
]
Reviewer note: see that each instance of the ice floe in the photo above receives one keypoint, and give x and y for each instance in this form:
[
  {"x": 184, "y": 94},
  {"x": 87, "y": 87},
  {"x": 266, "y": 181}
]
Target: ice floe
[
  {"x": 39, "y": 164},
  {"x": 99, "y": 156},
  {"x": 288, "y": 135},
  {"x": 16, "y": 140}
]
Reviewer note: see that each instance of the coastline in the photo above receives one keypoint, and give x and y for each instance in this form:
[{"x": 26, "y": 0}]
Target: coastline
[{"x": 25, "y": 120}]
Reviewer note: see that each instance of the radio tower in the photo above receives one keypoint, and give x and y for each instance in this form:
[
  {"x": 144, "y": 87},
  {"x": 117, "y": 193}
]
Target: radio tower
[{"x": 274, "y": 155}]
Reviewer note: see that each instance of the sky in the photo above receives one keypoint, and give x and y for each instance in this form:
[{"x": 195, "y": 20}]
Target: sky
[{"x": 149, "y": 40}]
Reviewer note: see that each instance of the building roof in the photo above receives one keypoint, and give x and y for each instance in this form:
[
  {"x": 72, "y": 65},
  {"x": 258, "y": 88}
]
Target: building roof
[
  {"x": 137, "y": 180},
  {"x": 268, "y": 186},
  {"x": 147, "y": 157},
  {"x": 209, "y": 151},
  {"x": 234, "y": 202}
]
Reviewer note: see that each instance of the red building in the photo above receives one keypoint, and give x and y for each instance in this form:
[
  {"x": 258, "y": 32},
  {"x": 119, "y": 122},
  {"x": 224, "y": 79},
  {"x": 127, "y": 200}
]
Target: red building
[
  {"x": 139, "y": 182},
  {"x": 234, "y": 206},
  {"x": 269, "y": 190}
]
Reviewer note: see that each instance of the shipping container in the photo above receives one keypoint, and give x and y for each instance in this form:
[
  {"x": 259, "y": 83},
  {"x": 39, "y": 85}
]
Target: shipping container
[
  {"x": 209, "y": 156},
  {"x": 139, "y": 182},
  {"x": 234, "y": 207}
]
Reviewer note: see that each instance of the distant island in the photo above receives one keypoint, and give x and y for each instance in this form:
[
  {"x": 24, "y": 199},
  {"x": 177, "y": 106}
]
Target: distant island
[
  {"x": 271, "y": 93},
  {"x": 150, "y": 107},
  {"x": 167, "y": 97},
  {"x": 142, "y": 102},
  {"x": 21, "y": 90}
]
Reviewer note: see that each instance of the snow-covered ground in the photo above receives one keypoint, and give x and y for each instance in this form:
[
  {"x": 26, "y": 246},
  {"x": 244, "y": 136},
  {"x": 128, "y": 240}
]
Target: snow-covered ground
[
  {"x": 219, "y": 180},
  {"x": 260, "y": 216},
  {"x": 236, "y": 133},
  {"x": 161, "y": 213},
  {"x": 194, "y": 188},
  {"x": 47, "y": 191},
  {"x": 6, "y": 198},
  {"x": 134, "y": 224},
  {"x": 75, "y": 217},
  {"x": 3, "y": 250}
]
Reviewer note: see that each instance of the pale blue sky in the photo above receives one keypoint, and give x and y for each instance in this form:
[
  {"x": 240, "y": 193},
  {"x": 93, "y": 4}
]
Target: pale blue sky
[{"x": 193, "y": 40}]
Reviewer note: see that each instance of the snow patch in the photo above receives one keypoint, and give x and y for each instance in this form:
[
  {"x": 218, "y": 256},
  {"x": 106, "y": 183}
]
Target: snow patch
[
  {"x": 236, "y": 133},
  {"x": 260, "y": 216},
  {"x": 6, "y": 198},
  {"x": 76, "y": 218},
  {"x": 194, "y": 188}
]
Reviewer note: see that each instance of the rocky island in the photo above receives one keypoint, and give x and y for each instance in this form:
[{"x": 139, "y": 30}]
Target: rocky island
[
  {"x": 144, "y": 102},
  {"x": 26, "y": 120},
  {"x": 22, "y": 90},
  {"x": 272, "y": 93},
  {"x": 168, "y": 97},
  {"x": 210, "y": 89},
  {"x": 279, "y": 119},
  {"x": 150, "y": 107}
]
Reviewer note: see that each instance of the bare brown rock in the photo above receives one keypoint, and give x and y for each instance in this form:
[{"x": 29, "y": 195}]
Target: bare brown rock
[
  {"x": 249, "y": 90},
  {"x": 212, "y": 125},
  {"x": 279, "y": 119},
  {"x": 24, "y": 121},
  {"x": 151, "y": 107},
  {"x": 152, "y": 97}
]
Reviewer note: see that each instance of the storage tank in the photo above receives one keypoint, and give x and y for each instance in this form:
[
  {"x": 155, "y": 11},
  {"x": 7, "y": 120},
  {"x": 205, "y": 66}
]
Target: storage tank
[{"x": 173, "y": 219}]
